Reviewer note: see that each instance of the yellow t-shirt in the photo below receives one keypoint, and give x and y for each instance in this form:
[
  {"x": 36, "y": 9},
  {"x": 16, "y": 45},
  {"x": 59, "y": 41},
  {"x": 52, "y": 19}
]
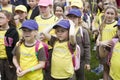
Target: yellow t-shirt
[
  {"x": 28, "y": 59},
  {"x": 8, "y": 8},
  {"x": 61, "y": 66},
  {"x": 19, "y": 30},
  {"x": 29, "y": 13},
  {"x": 98, "y": 20},
  {"x": 115, "y": 62},
  {"x": 44, "y": 23},
  {"x": 2, "y": 45},
  {"x": 109, "y": 31}
]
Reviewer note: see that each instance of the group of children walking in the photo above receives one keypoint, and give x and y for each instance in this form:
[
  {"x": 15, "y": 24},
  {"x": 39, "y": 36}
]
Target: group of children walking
[{"x": 25, "y": 36}]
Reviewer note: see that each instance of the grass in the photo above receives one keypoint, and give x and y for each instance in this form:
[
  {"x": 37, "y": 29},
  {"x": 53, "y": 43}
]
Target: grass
[{"x": 94, "y": 63}]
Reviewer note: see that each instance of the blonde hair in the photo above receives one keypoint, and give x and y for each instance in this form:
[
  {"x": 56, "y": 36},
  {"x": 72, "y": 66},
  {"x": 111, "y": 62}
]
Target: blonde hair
[{"x": 103, "y": 24}]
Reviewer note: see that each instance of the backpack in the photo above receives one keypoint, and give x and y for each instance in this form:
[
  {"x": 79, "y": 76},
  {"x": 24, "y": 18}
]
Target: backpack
[
  {"x": 75, "y": 56},
  {"x": 45, "y": 46}
]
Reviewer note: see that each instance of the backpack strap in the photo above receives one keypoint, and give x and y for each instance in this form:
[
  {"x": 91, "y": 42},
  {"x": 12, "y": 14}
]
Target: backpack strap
[
  {"x": 114, "y": 41},
  {"x": 45, "y": 46},
  {"x": 46, "y": 49},
  {"x": 72, "y": 52},
  {"x": 37, "y": 48}
]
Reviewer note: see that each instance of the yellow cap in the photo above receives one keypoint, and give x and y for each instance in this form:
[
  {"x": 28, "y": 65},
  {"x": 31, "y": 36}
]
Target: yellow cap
[
  {"x": 78, "y": 4},
  {"x": 21, "y": 8}
]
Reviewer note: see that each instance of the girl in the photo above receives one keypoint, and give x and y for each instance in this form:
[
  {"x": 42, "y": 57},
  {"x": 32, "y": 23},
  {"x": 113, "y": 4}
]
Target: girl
[
  {"x": 8, "y": 38},
  {"x": 61, "y": 62},
  {"x": 83, "y": 41},
  {"x": 7, "y": 6},
  {"x": 25, "y": 53},
  {"x": 111, "y": 49},
  {"x": 33, "y": 10},
  {"x": 114, "y": 68},
  {"x": 59, "y": 10},
  {"x": 20, "y": 16},
  {"x": 46, "y": 17},
  {"x": 107, "y": 32}
]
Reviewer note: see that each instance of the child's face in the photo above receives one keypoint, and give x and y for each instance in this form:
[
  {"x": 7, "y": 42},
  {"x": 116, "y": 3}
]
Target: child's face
[
  {"x": 22, "y": 15},
  {"x": 74, "y": 18},
  {"x": 62, "y": 33},
  {"x": 32, "y": 3},
  {"x": 44, "y": 10},
  {"x": 3, "y": 19},
  {"x": 4, "y": 2},
  {"x": 110, "y": 15},
  {"x": 59, "y": 11},
  {"x": 28, "y": 35}
]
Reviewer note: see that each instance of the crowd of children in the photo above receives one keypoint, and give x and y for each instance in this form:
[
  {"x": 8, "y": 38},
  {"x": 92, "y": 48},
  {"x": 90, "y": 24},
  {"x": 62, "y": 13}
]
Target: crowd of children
[{"x": 28, "y": 26}]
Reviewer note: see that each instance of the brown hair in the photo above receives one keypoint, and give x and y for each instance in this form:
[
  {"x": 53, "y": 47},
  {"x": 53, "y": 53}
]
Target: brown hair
[
  {"x": 58, "y": 4},
  {"x": 9, "y": 17}
]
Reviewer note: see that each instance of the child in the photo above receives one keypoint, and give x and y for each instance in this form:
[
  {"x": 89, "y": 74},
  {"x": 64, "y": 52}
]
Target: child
[
  {"x": 114, "y": 67},
  {"x": 29, "y": 65},
  {"x": 111, "y": 50},
  {"x": 107, "y": 32},
  {"x": 61, "y": 62},
  {"x": 8, "y": 39},
  {"x": 20, "y": 16},
  {"x": 6, "y": 6},
  {"x": 33, "y": 9},
  {"x": 83, "y": 40},
  {"x": 87, "y": 14},
  {"x": 79, "y": 5},
  {"x": 59, "y": 10},
  {"x": 46, "y": 17}
]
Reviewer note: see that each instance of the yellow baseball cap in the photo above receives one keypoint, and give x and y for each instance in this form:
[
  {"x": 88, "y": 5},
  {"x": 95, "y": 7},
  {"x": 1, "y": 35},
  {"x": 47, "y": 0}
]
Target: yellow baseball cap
[
  {"x": 78, "y": 4},
  {"x": 21, "y": 8}
]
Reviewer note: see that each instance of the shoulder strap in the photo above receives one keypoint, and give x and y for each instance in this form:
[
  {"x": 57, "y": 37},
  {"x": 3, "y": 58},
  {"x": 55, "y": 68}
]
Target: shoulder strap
[
  {"x": 72, "y": 52},
  {"x": 36, "y": 48},
  {"x": 46, "y": 49},
  {"x": 45, "y": 46},
  {"x": 114, "y": 40}
]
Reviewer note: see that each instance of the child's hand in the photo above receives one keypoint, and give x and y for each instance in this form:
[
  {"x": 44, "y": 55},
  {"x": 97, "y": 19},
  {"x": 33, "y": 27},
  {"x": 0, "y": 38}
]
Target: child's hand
[
  {"x": 16, "y": 17},
  {"x": 87, "y": 66},
  {"x": 18, "y": 71},
  {"x": 42, "y": 37},
  {"x": 22, "y": 73}
]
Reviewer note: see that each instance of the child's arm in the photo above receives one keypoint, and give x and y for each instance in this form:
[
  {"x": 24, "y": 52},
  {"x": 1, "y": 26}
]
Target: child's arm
[
  {"x": 16, "y": 58},
  {"x": 40, "y": 65},
  {"x": 15, "y": 62},
  {"x": 46, "y": 32},
  {"x": 72, "y": 37}
]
